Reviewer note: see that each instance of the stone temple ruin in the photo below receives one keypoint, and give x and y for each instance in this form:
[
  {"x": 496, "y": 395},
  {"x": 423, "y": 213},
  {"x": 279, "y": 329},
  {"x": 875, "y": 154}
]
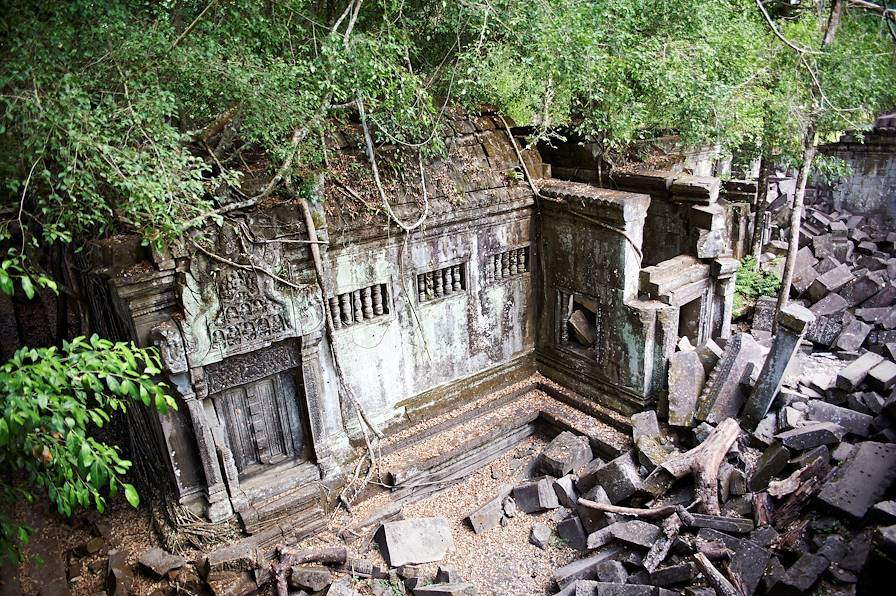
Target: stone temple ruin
[{"x": 570, "y": 313}]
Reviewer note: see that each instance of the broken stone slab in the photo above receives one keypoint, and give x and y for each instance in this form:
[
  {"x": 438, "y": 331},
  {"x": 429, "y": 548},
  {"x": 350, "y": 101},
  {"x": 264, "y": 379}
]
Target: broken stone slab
[
  {"x": 686, "y": 379},
  {"x": 119, "y": 576},
  {"x": 860, "y": 289},
  {"x": 883, "y": 298},
  {"x": 812, "y": 435},
  {"x": 489, "y": 515},
  {"x": 582, "y": 328},
  {"x": 566, "y": 453},
  {"x": 565, "y": 489},
  {"x": 573, "y": 533},
  {"x": 802, "y": 280},
  {"x": 619, "y": 477},
  {"x": 313, "y": 578},
  {"x": 883, "y": 376},
  {"x": 650, "y": 453},
  {"x": 673, "y": 574},
  {"x": 417, "y": 540},
  {"x": 748, "y": 558},
  {"x": 764, "y": 313},
  {"x": 645, "y": 424},
  {"x": 793, "y": 322},
  {"x": 772, "y": 461},
  {"x": 734, "y": 525},
  {"x": 854, "y": 373},
  {"x": 722, "y": 395},
  {"x": 829, "y": 282},
  {"x": 826, "y": 329},
  {"x": 637, "y": 532},
  {"x": 854, "y": 422},
  {"x": 592, "y": 519},
  {"x": 540, "y": 535},
  {"x": 457, "y": 589},
  {"x": 612, "y": 572},
  {"x": 861, "y": 481},
  {"x": 586, "y": 480},
  {"x": 159, "y": 562},
  {"x": 585, "y": 568},
  {"x": 710, "y": 352},
  {"x": 801, "y": 576},
  {"x": 852, "y": 336},
  {"x": 829, "y": 305},
  {"x": 535, "y": 495},
  {"x": 601, "y": 537},
  {"x": 595, "y": 588},
  {"x": 241, "y": 556}
]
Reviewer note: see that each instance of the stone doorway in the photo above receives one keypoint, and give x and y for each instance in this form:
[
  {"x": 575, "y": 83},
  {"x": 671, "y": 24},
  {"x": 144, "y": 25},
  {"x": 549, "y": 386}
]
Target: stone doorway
[{"x": 690, "y": 320}]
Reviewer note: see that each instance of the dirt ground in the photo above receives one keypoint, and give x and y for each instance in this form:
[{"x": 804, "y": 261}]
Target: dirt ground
[{"x": 500, "y": 561}]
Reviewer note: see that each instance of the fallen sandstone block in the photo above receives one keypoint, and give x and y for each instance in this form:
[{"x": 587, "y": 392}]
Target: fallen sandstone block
[
  {"x": 418, "y": 540},
  {"x": 564, "y": 454}
]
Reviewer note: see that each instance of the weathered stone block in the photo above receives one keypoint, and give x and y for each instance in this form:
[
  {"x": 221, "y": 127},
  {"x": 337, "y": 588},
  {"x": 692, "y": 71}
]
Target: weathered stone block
[
  {"x": 535, "y": 495},
  {"x": 854, "y": 373},
  {"x": 829, "y": 282},
  {"x": 862, "y": 480},
  {"x": 854, "y": 422},
  {"x": 313, "y": 578},
  {"x": 645, "y": 424},
  {"x": 812, "y": 435},
  {"x": 723, "y": 395},
  {"x": 585, "y": 568},
  {"x": 418, "y": 540},
  {"x": 564, "y": 454},
  {"x": 540, "y": 535},
  {"x": 772, "y": 461},
  {"x": 572, "y": 531},
  {"x": 159, "y": 562},
  {"x": 619, "y": 478},
  {"x": 853, "y": 336},
  {"x": 637, "y": 532},
  {"x": 883, "y": 376},
  {"x": 489, "y": 515},
  {"x": 565, "y": 489},
  {"x": 686, "y": 379}
]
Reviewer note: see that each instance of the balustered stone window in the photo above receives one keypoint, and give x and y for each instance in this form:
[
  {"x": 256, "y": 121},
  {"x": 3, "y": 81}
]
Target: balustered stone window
[
  {"x": 359, "y": 306},
  {"x": 441, "y": 282},
  {"x": 507, "y": 264}
]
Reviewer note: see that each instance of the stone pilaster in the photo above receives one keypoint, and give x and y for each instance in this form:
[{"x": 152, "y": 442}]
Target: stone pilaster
[
  {"x": 792, "y": 324},
  {"x": 314, "y": 388},
  {"x": 724, "y": 269}
]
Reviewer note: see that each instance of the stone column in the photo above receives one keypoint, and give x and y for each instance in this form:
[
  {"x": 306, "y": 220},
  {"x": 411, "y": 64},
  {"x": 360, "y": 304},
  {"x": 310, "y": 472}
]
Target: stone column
[
  {"x": 219, "y": 507},
  {"x": 792, "y": 324},
  {"x": 314, "y": 387}
]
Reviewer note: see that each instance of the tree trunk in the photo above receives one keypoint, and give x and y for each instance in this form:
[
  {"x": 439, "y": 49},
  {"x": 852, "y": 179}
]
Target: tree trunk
[
  {"x": 809, "y": 150},
  {"x": 796, "y": 218},
  {"x": 759, "y": 206}
]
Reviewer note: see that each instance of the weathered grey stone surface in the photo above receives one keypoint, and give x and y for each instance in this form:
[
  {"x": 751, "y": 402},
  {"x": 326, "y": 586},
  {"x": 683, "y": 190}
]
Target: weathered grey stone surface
[
  {"x": 540, "y": 535},
  {"x": 812, "y": 435},
  {"x": 612, "y": 572},
  {"x": 853, "y": 336},
  {"x": 723, "y": 395},
  {"x": 592, "y": 519},
  {"x": 650, "y": 452},
  {"x": 722, "y": 523},
  {"x": 854, "y": 373},
  {"x": 535, "y": 495},
  {"x": 159, "y": 562},
  {"x": 862, "y": 480},
  {"x": 572, "y": 531},
  {"x": 489, "y": 515},
  {"x": 854, "y": 422},
  {"x": 802, "y": 575},
  {"x": 829, "y": 305},
  {"x": 771, "y": 462},
  {"x": 794, "y": 320},
  {"x": 585, "y": 568},
  {"x": 645, "y": 424},
  {"x": 748, "y": 558},
  {"x": 458, "y": 589},
  {"x": 593, "y": 588},
  {"x": 565, "y": 489},
  {"x": 686, "y": 379},
  {"x": 313, "y": 578},
  {"x": 829, "y": 282},
  {"x": 419, "y": 540},
  {"x": 619, "y": 478},
  {"x": 564, "y": 454},
  {"x": 637, "y": 532},
  {"x": 883, "y": 376}
]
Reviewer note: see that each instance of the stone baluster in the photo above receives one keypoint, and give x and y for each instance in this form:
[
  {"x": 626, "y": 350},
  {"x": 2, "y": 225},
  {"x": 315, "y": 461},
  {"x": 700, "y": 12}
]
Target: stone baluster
[
  {"x": 345, "y": 302},
  {"x": 359, "y": 308},
  {"x": 496, "y": 263},
  {"x": 505, "y": 264},
  {"x": 368, "y": 304},
  {"x": 378, "y": 299},
  {"x": 447, "y": 282},
  {"x": 523, "y": 259},
  {"x": 512, "y": 267},
  {"x": 334, "y": 312},
  {"x": 430, "y": 290},
  {"x": 438, "y": 283},
  {"x": 456, "y": 278}
]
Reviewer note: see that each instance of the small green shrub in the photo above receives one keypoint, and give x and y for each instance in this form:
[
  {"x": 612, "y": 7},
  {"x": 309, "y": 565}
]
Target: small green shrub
[{"x": 751, "y": 283}]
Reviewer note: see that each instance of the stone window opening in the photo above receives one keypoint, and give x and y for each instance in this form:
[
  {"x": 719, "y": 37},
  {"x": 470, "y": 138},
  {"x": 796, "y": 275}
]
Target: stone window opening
[
  {"x": 508, "y": 264},
  {"x": 441, "y": 283},
  {"x": 690, "y": 320},
  {"x": 359, "y": 306},
  {"x": 579, "y": 323}
]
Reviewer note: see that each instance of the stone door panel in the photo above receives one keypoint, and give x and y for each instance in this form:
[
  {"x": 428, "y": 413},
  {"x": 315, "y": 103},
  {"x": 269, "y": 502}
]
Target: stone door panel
[{"x": 263, "y": 421}]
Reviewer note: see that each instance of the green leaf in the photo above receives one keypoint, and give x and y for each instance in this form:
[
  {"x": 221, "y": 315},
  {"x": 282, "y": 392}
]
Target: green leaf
[
  {"x": 27, "y": 287},
  {"x": 131, "y": 495}
]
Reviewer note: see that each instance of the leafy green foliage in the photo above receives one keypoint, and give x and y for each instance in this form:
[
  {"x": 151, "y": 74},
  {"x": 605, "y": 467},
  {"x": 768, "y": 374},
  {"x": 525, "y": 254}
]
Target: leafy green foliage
[
  {"x": 53, "y": 398},
  {"x": 751, "y": 283}
]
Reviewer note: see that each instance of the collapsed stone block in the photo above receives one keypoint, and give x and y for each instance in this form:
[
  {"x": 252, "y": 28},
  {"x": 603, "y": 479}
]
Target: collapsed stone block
[
  {"x": 812, "y": 435},
  {"x": 418, "y": 540},
  {"x": 535, "y": 495},
  {"x": 619, "y": 477},
  {"x": 722, "y": 395},
  {"x": 686, "y": 379},
  {"x": 854, "y": 373},
  {"x": 862, "y": 480},
  {"x": 564, "y": 454},
  {"x": 852, "y": 336}
]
